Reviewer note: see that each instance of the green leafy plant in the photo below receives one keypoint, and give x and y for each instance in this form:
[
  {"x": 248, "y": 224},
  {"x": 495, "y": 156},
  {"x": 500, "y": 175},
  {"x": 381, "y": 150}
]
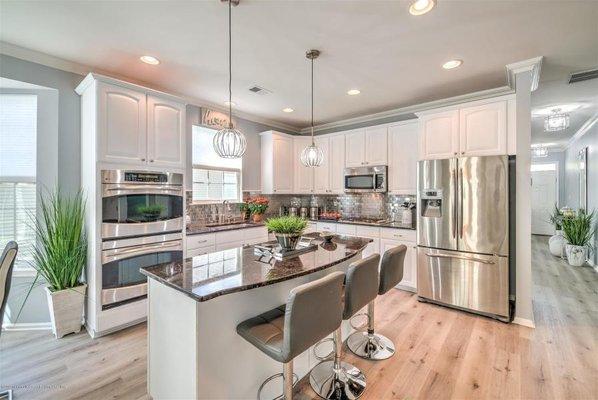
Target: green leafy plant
[
  {"x": 61, "y": 250},
  {"x": 152, "y": 209},
  {"x": 556, "y": 218},
  {"x": 578, "y": 230},
  {"x": 289, "y": 224},
  {"x": 257, "y": 205}
]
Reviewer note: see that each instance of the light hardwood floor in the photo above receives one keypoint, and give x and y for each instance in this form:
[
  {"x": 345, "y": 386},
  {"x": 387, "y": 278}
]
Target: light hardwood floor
[{"x": 441, "y": 353}]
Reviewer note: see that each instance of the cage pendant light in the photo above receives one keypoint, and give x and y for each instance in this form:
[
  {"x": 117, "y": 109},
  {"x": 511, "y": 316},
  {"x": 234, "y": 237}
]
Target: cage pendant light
[
  {"x": 230, "y": 142},
  {"x": 312, "y": 155}
]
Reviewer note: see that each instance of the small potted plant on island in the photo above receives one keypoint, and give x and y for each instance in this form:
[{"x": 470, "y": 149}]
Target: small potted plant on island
[
  {"x": 59, "y": 258},
  {"x": 578, "y": 232},
  {"x": 287, "y": 229},
  {"x": 257, "y": 206}
]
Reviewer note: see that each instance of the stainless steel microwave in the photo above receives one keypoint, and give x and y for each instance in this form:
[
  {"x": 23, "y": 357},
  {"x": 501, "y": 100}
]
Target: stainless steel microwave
[{"x": 366, "y": 179}]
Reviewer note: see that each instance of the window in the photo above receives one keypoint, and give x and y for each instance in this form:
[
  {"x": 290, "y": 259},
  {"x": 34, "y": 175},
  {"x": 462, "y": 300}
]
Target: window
[
  {"x": 543, "y": 167},
  {"x": 18, "y": 132},
  {"x": 214, "y": 179}
]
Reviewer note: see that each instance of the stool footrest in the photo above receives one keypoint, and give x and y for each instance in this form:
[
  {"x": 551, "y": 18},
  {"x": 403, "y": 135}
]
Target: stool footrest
[{"x": 271, "y": 378}]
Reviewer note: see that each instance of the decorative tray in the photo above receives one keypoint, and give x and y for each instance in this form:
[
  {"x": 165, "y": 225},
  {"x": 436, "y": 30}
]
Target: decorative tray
[{"x": 272, "y": 249}]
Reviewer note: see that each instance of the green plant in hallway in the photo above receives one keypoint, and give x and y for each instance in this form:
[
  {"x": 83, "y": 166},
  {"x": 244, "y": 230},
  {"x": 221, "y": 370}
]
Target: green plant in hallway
[
  {"x": 287, "y": 229},
  {"x": 59, "y": 258},
  {"x": 578, "y": 232}
]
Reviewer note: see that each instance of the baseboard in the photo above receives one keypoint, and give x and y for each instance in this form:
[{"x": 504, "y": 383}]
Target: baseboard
[
  {"x": 524, "y": 322},
  {"x": 27, "y": 326}
]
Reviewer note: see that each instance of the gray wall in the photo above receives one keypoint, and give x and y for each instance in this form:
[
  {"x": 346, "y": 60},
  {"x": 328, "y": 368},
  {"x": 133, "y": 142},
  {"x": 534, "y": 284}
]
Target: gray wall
[{"x": 589, "y": 140}]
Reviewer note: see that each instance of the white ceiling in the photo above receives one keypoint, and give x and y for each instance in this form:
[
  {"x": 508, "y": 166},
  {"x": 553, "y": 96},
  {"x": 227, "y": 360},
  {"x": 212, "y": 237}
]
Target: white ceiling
[{"x": 376, "y": 46}]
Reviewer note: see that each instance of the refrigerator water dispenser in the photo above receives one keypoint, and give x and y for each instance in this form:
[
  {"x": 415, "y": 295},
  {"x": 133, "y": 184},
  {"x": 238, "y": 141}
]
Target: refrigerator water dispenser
[{"x": 431, "y": 203}]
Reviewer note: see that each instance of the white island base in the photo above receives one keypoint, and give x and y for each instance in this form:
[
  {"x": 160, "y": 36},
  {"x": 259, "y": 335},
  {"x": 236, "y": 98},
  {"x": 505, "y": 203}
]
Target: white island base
[{"x": 194, "y": 351}]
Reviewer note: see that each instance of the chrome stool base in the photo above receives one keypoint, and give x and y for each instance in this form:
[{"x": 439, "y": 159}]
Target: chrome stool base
[
  {"x": 348, "y": 383},
  {"x": 370, "y": 346}
]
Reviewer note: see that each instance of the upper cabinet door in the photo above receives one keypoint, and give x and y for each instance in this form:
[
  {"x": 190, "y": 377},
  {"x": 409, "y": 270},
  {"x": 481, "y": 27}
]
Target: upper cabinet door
[
  {"x": 321, "y": 174},
  {"x": 439, "y": 135},
  {"x": 355, "y": 148},
  {"x": 282, "y": 148},
  {"x": 402, "y": 160},
  {"x": 376, "y": 146},
  {"x": 165, "y": 132},
  {"x": 121, "y": 124},
  {"x": 337, "y": 164},
  {"x": 304, "y": 176},
  {"x": 483, "y": 130}
]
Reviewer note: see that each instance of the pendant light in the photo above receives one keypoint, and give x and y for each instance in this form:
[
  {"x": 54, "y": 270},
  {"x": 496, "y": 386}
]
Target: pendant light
[
  {"x": 312, "y": 155},
  {"x": 230, "y": 142}
]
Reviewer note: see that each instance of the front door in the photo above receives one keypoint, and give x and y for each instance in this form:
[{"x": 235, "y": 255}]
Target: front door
[{"x": 544, "y": 197}]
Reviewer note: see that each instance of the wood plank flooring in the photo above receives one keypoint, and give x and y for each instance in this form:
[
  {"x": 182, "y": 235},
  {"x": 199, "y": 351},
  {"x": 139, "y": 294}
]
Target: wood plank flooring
[{"x": 441, "y": 353}]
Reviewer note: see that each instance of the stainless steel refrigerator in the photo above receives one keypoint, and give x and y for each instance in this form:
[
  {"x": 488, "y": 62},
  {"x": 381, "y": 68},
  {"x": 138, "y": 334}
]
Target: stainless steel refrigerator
[{"x": 463, "y": 234}]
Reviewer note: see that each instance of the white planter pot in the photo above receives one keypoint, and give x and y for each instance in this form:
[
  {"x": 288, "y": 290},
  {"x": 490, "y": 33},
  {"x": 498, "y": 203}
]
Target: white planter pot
[
  {"x": 66, "y": 309},
  {"x": 556, "y": 244},
  {"x": 576, "y": 255}
]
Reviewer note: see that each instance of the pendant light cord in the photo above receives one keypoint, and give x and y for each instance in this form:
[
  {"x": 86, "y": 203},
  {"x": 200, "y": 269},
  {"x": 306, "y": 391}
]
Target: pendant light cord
[
  {"x": 230, "y": 68},
  {"x": 312, "y": 101}
]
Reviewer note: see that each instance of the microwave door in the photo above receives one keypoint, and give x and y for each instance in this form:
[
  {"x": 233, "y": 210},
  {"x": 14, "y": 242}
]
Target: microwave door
[
  {"x": 437, "y": 204},
  {"x": 360, "y": 182}
]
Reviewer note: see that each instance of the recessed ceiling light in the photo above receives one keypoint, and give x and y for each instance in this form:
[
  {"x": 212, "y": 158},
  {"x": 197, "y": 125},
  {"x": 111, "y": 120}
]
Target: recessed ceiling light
[
  {"x": 288, "y": 110},
  {"x": 353, "y": 92},
  {"x": 230, "y": 103},
  {"x": 420, "y": 7},
  {"x": 452, "y": 64},
  {"x": 150, "y": 60}
]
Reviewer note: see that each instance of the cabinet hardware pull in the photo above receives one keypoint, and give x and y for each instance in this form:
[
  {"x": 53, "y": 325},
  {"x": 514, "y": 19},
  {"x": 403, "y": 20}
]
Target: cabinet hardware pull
[
  {"x": 151, "y": 160},
  {"x": 143, "y": 159}
]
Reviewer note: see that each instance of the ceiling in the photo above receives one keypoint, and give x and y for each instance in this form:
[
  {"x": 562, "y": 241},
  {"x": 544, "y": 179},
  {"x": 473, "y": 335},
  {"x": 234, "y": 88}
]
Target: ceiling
[{"x": 394, "y": 58}]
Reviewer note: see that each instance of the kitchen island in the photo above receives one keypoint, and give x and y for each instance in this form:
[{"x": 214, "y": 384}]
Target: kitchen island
[{"x": 194, "y": 307}]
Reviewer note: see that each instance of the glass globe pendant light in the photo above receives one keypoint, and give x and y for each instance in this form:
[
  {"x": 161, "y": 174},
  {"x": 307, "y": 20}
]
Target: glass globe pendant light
[
  {"x": 312, "y": 155},
  {"x": 557, "y": 121},
  {"x": 230, "y": 142}
]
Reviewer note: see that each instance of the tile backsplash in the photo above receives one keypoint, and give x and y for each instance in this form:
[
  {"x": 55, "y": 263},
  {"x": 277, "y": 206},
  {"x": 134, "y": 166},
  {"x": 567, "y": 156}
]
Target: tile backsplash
[{"x": 366, "y": 205}]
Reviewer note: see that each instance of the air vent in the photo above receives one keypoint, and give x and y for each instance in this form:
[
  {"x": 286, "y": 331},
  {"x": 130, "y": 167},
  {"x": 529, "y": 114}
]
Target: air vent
[
  {"x": 259, "y": 90},
  {"x": 583, "y": 76}
]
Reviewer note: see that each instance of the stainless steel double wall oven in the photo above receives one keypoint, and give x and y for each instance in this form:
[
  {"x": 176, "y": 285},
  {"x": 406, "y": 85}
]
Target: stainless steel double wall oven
[{"x": 142, "y": 224}]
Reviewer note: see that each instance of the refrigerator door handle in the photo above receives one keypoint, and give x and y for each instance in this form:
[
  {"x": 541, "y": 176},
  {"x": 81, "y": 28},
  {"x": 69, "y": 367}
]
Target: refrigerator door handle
[
  {"x": 460, "y": 179},
  {"x": 454, "y": 178},
  {"x": 474, "y": 259}
]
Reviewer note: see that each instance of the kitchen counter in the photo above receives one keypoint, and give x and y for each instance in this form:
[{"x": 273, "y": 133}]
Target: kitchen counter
[
  {"x": 197, "y": 229},
  {"x": 194, "y": 307},
  {"x": 397, "y": 225},
  {"x": 211, "y": 275}
]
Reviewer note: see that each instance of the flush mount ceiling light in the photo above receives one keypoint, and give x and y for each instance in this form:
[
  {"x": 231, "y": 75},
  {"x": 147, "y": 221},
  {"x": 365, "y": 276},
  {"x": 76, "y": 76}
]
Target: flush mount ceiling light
[
  {"x": 539, "y": 152},
  {"x": 288, "y": 110},
  {"x": 420, "y": 7},
  {"x": 312, "y": 155},
  {"x": 150, "y": 60},
  {"x": 557, "y": 121},
  {"x": 452, "y": 64},
  {"x": 230, "y": 142},
  {"x": 353, "y": 92}
]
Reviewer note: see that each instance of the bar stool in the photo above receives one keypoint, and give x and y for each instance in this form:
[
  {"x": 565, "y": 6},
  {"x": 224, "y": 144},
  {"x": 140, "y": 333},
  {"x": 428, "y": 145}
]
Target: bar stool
[
  {"x": 312, "y": 311},
  {"x": 371, "y": 345},
  {"x": 336, "y": 379}
]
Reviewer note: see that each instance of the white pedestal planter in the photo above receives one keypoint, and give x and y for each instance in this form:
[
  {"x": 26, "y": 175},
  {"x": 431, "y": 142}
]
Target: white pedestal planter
[
  {"x": 576, "y": 255},
  {"x": 66, "y": 309},
  {"x": 556, "y": 243}
]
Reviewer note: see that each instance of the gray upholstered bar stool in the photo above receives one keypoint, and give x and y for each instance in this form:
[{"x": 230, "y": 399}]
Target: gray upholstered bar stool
[
  {"x": 312, "y": 311},
  {"x": 371, "y": 345},
  {"x": 336, "y": 379}
]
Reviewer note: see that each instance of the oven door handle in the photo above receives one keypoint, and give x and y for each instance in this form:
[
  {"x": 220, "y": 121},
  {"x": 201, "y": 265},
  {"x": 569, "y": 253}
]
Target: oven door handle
[
  {"x": 474, "y": 259},
  {"x": 119, "y": 254}
]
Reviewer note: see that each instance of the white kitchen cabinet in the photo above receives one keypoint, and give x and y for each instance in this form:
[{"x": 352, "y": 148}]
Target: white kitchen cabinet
[
  {"x": 326, "y": 227},
  {"x": 337, "y": 164},
  {"x": 410, "y": 264},
  {"x": 322, "y": 174},
  {"x": 277, "y": 164},
  {"x": 355, "y": 148},
  {"x": 200, "y": 251},
  {"x": 311, "y": 227},
  {"x": 376, "y": 145},
  {"x": 165, "y": 132},
  {"x": 402, "y": 158},
  {"x": 483, "y": 129},
  {"x": 121, "y": 124},
  {"x": 372, "y": 248},
  {"x": 439, "y": 135},
  {"x": 304, "y": 176}
]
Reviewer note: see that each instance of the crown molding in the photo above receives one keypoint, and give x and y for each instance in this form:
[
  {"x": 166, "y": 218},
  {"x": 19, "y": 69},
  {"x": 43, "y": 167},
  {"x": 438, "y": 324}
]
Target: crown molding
[
  {"x": 533, "y": 65},
  {"x": 83, "y": 70},
  {"x": 582, "y": 130}
]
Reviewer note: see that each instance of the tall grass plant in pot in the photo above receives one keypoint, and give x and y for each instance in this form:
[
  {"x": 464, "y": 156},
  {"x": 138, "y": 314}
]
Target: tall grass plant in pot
[
  {"x": 287, "y": 229},
  {"x": 59, "y": 258},
  {"x": 578, "y": 232}
]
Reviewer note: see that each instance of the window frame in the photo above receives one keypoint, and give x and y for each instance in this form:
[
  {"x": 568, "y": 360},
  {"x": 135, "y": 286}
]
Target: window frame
[{"x": 219, "y": 169}]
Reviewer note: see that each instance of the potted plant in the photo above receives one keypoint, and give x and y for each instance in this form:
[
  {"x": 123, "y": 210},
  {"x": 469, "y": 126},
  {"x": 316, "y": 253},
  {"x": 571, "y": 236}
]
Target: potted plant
[
  {"x": 257, "y": 206},
  {"x": 578, "y": 232},
  {"x": 557, "y": 241},
  {"x": 287, "y": 229},
  {"x": 59, "y": 258}
]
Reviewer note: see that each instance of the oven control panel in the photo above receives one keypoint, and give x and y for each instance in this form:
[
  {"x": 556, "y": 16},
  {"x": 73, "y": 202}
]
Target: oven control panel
[{"x": 145, "y": 177}]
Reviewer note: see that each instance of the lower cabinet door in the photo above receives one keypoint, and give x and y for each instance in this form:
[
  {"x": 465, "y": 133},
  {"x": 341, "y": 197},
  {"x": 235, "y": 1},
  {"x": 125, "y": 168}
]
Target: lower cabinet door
[
  {"x": 372, "y": 248},
  {"x": 410, "y": 263},
  {"x": 200, "y": 250}
]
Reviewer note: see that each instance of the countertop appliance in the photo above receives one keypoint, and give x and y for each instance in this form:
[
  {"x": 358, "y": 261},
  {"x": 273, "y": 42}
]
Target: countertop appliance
[
  {"x": 314, "y": 213},
  {"x": 463, "y": 234},
  {"x": 293, "y": 211},
  {"x": 366, "y": 179},
  {"x": 303, "y": 212}
]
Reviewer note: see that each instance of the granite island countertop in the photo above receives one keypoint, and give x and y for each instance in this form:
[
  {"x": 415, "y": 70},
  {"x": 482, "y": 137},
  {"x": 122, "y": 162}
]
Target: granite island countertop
[
  {"x": 219, "y": 273},
  {"x": 198, "y": 229}
]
